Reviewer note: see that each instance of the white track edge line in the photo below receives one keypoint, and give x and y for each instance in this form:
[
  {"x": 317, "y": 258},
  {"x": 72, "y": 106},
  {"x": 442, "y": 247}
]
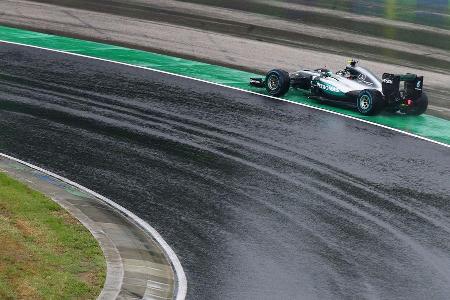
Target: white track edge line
[
  {"x": 236, "y": 89},
  {"x": 181, "y": 277}
]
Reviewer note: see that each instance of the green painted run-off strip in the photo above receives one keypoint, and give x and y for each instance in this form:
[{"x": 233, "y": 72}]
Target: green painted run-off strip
[{"x": 426, "y": 126}]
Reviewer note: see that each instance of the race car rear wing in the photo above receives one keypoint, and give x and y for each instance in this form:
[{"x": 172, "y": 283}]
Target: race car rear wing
[{"x": 413, "y": 85}]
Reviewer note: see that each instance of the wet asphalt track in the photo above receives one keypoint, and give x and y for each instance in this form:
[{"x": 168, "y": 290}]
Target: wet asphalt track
[{"x": 260, "y": 199}]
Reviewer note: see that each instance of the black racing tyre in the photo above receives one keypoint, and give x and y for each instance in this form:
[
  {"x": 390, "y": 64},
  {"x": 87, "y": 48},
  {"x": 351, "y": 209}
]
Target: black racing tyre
[
  {"x": 370, "y": 102},
  {"x": 420, "y": 105},
  {"x": 277, "y": 82}
]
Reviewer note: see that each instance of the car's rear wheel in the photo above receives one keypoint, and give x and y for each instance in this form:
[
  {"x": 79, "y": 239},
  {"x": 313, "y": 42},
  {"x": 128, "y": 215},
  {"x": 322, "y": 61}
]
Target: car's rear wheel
[
  {"x": 277, "y": 82},
  {"x": 420, "y": 105},
  {"x": 369, "y": 102}
]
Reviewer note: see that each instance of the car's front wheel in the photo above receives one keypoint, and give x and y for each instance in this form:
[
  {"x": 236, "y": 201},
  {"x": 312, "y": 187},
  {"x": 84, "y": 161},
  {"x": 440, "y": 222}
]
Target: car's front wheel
[
  {"x": 369, "y": 102},
  {"x": 277, "y": 82}
]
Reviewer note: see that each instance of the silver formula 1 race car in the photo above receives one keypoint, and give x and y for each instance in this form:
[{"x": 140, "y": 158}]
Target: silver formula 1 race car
[{"x": 353, "y": 86}]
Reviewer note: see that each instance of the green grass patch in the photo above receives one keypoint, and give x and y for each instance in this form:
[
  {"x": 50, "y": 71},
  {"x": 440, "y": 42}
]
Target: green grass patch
[{"x": 44, "y": 252}]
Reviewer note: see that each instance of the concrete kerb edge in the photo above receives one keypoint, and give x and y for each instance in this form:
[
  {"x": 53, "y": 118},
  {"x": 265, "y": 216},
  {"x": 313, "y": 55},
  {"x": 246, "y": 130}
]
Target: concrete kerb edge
[
  {"x": 181, "y": 281},
  {"x": 236, "y": 89},
  {"x": 115, "y": 271}
]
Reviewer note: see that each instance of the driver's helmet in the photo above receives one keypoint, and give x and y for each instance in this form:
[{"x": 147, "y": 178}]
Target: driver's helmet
[{"x": 352, "y": 63}]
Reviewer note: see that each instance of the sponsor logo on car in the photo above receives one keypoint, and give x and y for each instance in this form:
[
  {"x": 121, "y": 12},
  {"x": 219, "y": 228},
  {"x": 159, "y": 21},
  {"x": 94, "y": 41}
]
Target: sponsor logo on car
[
  {"x": 419, "y": 85},
  {"x": 330, "y": 88},
  {"x": 388, "y": 81}
]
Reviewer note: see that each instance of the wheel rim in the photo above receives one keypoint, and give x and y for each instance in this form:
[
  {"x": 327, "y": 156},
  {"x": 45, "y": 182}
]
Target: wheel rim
[
  {"x": 273, "y": 82},
  {"x": 364, "y": 102}
]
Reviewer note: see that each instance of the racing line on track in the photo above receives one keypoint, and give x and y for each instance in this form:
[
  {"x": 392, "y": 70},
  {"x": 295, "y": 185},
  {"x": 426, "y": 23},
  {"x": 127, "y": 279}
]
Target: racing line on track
[
  {"x": 425, "y": 126},
  {"x": 238, "y": 89}
]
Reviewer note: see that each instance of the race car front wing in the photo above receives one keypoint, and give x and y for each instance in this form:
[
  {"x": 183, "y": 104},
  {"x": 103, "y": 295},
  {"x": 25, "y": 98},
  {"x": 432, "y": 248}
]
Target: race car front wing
[{"x": 257, "y": 82}]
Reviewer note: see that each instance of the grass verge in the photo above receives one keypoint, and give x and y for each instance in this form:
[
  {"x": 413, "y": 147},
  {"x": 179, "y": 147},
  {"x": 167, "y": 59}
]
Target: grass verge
[{"x": 44, "y": 251}]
